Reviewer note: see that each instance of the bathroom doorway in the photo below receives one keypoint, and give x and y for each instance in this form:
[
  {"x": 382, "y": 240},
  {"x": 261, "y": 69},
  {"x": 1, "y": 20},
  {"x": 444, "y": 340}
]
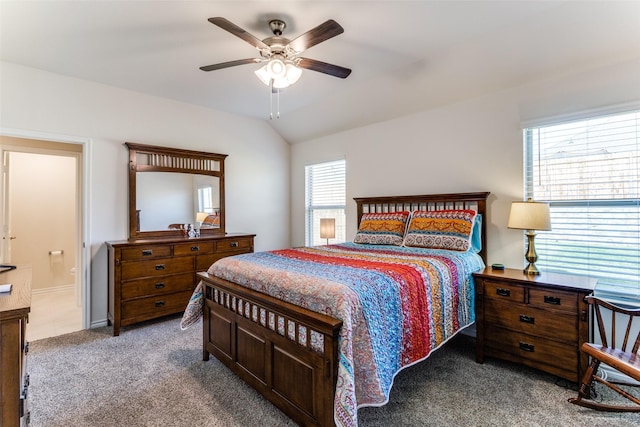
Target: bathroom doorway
[{"x": 42, "y": 212}]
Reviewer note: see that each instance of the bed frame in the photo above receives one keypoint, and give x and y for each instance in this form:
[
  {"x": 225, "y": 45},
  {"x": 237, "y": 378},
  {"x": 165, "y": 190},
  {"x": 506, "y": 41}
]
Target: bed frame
[{"x": 287, "y": 353}]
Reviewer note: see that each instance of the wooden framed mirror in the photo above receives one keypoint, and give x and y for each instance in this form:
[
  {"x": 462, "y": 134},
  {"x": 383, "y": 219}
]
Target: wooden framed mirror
[{"x": 171, "y": 187}]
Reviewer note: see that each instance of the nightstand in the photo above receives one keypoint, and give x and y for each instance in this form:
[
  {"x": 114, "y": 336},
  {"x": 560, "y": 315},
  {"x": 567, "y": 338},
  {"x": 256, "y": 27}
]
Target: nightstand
[{"x": 538, "y": 321}]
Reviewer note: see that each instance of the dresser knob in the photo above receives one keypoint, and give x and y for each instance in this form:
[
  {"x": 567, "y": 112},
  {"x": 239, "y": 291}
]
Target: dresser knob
[
  {"x": 147, "y": 252},
  {"x": 233, "y": 244},
  {"x": 503, "y": 292},
  {"x": 159, "y": 285},
  {"x": 195, "y": 248},
  {"x": 527, "y": 347},
  {"x": 159, "y": 303},
  {"x": 527, "y": 319},
  {"x": 159, "y": 266},
  {"x": 551, "y": 300}
]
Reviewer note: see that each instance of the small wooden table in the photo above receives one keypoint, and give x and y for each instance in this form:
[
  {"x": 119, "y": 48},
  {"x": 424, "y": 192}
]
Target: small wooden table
[
  {"x": 14, "y": 314},
  {"x": 538, "y": 321}
]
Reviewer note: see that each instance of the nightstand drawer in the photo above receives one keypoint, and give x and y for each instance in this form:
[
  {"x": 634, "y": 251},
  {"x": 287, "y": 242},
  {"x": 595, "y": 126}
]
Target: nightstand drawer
[
  {"x": 531, "y": 320},
  {"x": 557, "y": 300},
  {"x": 530, "y": 347},
  {"x": 503, "y": 291}
]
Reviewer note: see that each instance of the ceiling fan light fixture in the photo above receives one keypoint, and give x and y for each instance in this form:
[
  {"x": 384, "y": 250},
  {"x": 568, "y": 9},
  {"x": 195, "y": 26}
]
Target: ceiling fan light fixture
[
  {"x": 277, "y": 68},
  {"x": 290, "y": 76}
]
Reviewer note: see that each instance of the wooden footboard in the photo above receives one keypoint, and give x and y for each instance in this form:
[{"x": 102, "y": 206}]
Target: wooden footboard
[{"x": 287, "y": 353}]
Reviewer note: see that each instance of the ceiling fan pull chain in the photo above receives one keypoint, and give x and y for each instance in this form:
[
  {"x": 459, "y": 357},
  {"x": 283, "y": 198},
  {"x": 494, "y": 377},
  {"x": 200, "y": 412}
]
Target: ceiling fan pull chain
[
  {"x": 278, "y": 105},
  {"x": 271, "y": 100}
]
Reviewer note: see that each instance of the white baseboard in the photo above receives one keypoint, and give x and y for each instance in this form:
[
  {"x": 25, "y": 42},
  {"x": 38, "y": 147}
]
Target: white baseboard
[
  {"x": 52, "y": 289},
  {"x": 98, "y": 324},
  {"x": 611, "y": 374}
]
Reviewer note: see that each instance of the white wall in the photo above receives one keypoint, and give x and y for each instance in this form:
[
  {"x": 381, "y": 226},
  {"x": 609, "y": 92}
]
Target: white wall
[
  {"x": 474, "y": 145},
  {"x": 256, "y": 174}
]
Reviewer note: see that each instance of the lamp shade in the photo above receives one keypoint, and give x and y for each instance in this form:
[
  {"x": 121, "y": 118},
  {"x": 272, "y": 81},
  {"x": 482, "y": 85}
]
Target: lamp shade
[
  {"x": 529, "y": 215},
  {"x": 327, "y": 228},
  {"x": 201, "y": 216}
]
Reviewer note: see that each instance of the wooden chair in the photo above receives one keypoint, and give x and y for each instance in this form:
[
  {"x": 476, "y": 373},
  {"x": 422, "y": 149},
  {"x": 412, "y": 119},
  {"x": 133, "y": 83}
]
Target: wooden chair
[{"x": 616, "y": 356}]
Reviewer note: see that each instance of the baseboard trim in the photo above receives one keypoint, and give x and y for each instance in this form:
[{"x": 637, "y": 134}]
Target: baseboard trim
[
  {"x": 52, "y": 289},
  {"x": 98, "y": 324}
]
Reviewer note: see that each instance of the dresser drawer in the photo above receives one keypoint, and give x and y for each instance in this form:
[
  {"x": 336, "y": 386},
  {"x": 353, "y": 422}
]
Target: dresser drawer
[
  {"x": 151, "y": 307},
  {"x": 193, "y": 248},
  {"x": 531, "y": 320},
  {"x": 203, "y": 262},
  {"x": 558, "y": 300},
  {"x": 156, "y": 267},
  {"x": 157, "y": 286},
  {"x": 533, "y": 348},
  {"x": 503, "y": 291},
  {"x": 234, "y": 245},
  {"x": 144, "y": 252}
]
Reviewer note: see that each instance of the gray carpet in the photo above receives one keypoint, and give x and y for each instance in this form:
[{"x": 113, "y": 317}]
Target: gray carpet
[{"x": 153, "y": 375}]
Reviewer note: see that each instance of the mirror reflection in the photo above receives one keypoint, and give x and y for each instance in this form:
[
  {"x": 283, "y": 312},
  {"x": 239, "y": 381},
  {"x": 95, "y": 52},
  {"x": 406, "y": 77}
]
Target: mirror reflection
[{"x": 168, "y": 200}]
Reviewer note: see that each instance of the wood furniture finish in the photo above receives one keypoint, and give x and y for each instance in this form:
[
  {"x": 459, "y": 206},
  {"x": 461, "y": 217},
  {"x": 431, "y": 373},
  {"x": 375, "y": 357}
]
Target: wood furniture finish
[
  {"x": 151, "y": 158},
  {"x": 619, "y": 349},
  {"x": 285, "y": 368},
  {"x": 153, "y": 278},
  {"x": 14, "y": 379},
  {"x": 539, "y": 321}
]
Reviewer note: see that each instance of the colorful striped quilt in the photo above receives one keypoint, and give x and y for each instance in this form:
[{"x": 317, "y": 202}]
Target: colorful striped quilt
[{"x": 397, "y": 305}]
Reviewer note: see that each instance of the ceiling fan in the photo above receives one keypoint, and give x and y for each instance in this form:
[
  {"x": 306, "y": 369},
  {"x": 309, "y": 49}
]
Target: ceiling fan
[{"x": 283, "y": 65}]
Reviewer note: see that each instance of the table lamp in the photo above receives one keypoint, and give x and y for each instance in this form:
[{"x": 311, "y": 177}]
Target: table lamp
[
  {"x": 327, "y": 228},
  {"x": 530, "y": 216}
]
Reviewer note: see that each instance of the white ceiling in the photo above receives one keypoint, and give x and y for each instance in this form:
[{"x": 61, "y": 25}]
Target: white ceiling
[{"x": 406, "y": 56}]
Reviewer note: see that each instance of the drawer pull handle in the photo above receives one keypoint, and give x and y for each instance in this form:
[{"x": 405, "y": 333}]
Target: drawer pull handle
[
  {"x": 195, "y": 248},
  {"x": 159, "y": 285},
  {"x": 159, "y": 303},
  {"x": 527, "y": 319},
  {"x": 551, "y": 300},
  {"x": 26, "y": 347},
  {"x": 503, "y": 292},
  {"x": 233, "y": 244},
  {"x": 527, "y": 347},
  {"x": 147, "y": 252},
  {"x": 159, "y": 266}
]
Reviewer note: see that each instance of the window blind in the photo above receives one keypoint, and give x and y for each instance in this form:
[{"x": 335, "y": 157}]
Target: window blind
[
  {"x": 325, "y": 195},
  {"x": 588, "y": 172}
]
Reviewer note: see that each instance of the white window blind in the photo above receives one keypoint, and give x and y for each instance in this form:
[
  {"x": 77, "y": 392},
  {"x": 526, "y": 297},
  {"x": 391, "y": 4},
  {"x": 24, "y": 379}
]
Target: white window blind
[
  {"x": 588, "y": 172},
  {"x": 325, "y": 194}
]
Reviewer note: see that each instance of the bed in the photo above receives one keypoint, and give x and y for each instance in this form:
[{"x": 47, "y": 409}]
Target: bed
[{"x": 321, "y": 331}]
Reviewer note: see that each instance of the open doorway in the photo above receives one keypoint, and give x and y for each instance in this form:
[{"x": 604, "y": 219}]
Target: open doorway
[{"x": 42, "y": 229}]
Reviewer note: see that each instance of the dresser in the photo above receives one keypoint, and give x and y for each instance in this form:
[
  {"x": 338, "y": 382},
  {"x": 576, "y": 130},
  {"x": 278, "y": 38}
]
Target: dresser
[
  {"x": 538, "y": 321},
  {"x": 14, "y": 379},
  {"x": 155, "y": 277}
]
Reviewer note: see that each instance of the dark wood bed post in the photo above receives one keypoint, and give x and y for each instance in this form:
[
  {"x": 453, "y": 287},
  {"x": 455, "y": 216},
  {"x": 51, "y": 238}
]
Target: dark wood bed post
[{"x": 285, "y": 368}]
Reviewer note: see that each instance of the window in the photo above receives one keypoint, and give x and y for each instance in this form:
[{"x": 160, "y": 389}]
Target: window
[
  {"x": 325, "y": 198},
  {"x": 588, "y": 172}
]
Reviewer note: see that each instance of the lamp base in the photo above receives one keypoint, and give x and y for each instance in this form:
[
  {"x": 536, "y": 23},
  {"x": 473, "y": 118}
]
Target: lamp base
[{"x": 531, "y": 270}]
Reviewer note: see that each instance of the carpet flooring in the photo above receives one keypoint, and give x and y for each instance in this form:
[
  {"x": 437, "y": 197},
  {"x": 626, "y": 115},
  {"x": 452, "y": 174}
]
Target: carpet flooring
[{"x": 153, "y": 375}]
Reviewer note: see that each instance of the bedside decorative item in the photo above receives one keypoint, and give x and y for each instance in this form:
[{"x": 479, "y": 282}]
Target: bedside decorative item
[
  {"x": 530, "y": 216},
  {"x": 327, "y": 228}
]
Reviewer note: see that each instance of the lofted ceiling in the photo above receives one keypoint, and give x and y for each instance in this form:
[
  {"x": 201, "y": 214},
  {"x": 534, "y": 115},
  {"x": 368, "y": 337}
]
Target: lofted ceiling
[{"x": 406, "y": 56}]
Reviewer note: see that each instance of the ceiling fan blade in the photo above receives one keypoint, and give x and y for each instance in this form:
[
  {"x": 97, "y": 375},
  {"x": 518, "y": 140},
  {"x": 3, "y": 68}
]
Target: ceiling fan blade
[
  {"x": 231, "y": 64},
  {"x": 238, "y": 32},
  {"x": 323, "y": 67},
  {"x": 316, "y": 35}
]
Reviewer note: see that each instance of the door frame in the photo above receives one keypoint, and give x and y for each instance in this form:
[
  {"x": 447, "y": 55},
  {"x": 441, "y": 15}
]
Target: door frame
[{"x": 84, "y": 235}]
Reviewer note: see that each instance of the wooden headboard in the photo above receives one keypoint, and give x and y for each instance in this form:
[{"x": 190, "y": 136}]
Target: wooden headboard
[{"x": 429, "y": 202}]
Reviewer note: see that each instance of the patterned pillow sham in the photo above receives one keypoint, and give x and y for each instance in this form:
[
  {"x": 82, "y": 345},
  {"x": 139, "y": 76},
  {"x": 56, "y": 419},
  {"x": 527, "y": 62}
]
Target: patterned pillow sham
[
  {"x": 446, "y": 229},
  {"x": 382, "y": 228}
]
